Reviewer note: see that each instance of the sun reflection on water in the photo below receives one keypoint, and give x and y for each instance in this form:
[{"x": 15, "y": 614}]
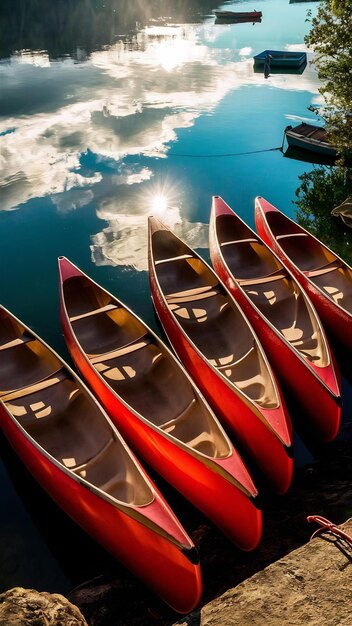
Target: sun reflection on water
[{"x": 159, "y": 204}]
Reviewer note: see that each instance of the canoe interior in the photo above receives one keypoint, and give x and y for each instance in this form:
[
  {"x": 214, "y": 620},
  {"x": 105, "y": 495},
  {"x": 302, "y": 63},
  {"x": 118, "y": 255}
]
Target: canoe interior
[
  {"x": 138, "y": 369},
  {"x": 53, "y": 408},
  {"x": 321, "y": 265},
  {"x": 269, "y": 286},
  {"x": 310, "y": 132},
  {"x": 210, "y": 318}
]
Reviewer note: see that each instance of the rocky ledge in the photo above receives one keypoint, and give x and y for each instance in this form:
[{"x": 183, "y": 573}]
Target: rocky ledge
[
  {"x": 19, "y": 607},
  {"x": 322, "y": 488},
  {"x": 312, "y": 585}
]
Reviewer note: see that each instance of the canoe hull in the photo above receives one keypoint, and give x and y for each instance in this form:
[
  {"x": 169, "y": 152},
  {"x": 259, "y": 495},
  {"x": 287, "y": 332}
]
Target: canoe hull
[
  {"x": 310, "y": 145},
  {"x": 271, "y": 456},
  {"x": 150, "y": 556},
  {"x": 207, "y": 485},
  {"x": 337, "y": 321}
]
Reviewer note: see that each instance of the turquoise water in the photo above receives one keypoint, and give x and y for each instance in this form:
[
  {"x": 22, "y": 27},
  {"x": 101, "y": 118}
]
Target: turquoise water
[{"x": 149, "y": 118}]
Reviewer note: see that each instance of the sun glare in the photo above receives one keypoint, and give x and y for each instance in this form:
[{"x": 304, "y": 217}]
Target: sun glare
[
  {"x": 159, "y": 204},
  {"x": 162, "y": 199}
]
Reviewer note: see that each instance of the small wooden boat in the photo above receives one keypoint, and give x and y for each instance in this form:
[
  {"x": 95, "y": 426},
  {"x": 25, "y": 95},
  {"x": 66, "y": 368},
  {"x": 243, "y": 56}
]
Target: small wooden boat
[
  {"x": 280, "y": 58},
  {"x": 156, "y": 407},
  {"x": 311, "y": 138},
  {"x": 238, "y": 15},
  {"x": 73, "y": 450},
  {"x": 326, "y": 278},
  {"x": 220, "y": 350},
  {"x": 281, "y": 314}
]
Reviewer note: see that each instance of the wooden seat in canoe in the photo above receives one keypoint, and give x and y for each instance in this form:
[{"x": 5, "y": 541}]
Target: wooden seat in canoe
[
  {"x": 324, "y": 269},
  {"x": 286, "y": 235},
  {"x": 174, "y": 258},
  {"x": 100, "y": 324},
  {"x": 185, "y": 428},
  {"x": 189, "y": 292},
  {"x": 337, "y": 284},
  {"x": 16, "y": 342},
  {"x": 244, "y": 254},
  {"x": 276, "y": 275},
  {"x": 132, "y": 346},
  {"x": 30, "y": 389},
  {"x": 236, "y": 241},
  {"x": 285, "y": 308},
  {"x": 22, "y": 364},
  {"x": 103, "y": 309},
  {"x": 192, "y": 295}
]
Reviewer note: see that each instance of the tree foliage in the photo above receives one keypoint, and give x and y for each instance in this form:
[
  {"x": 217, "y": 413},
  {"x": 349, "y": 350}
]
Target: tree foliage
[
  {"x": 320, "y": 191},
  {"x": 331, "y": 39}
]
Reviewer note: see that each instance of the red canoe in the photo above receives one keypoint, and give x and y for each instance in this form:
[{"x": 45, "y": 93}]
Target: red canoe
[
  {"x": 220, "y": 350},
  {"x": 281, "y": 314},
  {"x": 326, "y": 278},
  {"x": 156, "y": 407},
  {"x": 73, "y": 450}
]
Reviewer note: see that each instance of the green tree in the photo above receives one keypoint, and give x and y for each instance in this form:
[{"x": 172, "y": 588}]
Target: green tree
[
  {"x": 320, "y": 191},
  {"x": 331, "y": 39}
]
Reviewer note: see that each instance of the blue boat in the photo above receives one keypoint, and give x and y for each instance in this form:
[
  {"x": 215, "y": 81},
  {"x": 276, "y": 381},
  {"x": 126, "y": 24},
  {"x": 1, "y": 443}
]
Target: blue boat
[{"x": 280, "y": 58}]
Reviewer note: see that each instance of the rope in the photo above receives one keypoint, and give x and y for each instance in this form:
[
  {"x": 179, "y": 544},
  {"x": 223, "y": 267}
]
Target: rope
[
  {"x": 230, "y": 154},
  {"x": 327, "y": 526}
]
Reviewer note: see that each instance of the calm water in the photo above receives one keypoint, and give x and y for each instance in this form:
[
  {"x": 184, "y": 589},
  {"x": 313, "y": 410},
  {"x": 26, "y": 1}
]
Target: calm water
[{"x": 100, "y": 126}]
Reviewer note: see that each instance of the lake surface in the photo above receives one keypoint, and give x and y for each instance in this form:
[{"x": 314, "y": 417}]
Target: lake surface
[{"x": 106, "y": 117}]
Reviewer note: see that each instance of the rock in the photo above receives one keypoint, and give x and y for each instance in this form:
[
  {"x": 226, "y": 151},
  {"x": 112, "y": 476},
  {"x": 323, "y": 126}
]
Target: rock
[
  {"x": 311, "y": 585},
  {"x": 20, "y": 606}
]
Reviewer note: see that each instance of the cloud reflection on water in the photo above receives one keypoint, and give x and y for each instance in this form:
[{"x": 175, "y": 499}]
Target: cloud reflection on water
[
  {"x": 124, "y": 241},
  {"x": 124, "y": 101}
]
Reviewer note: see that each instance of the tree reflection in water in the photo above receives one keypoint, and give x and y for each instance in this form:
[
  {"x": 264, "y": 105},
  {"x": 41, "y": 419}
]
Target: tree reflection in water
[
  {"x": 62, "y": 26},
  {"x": 320, "y": 191}
]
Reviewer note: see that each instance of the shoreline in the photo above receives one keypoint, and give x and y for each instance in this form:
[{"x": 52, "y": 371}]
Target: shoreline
[{"x": 320, "y": 488}]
